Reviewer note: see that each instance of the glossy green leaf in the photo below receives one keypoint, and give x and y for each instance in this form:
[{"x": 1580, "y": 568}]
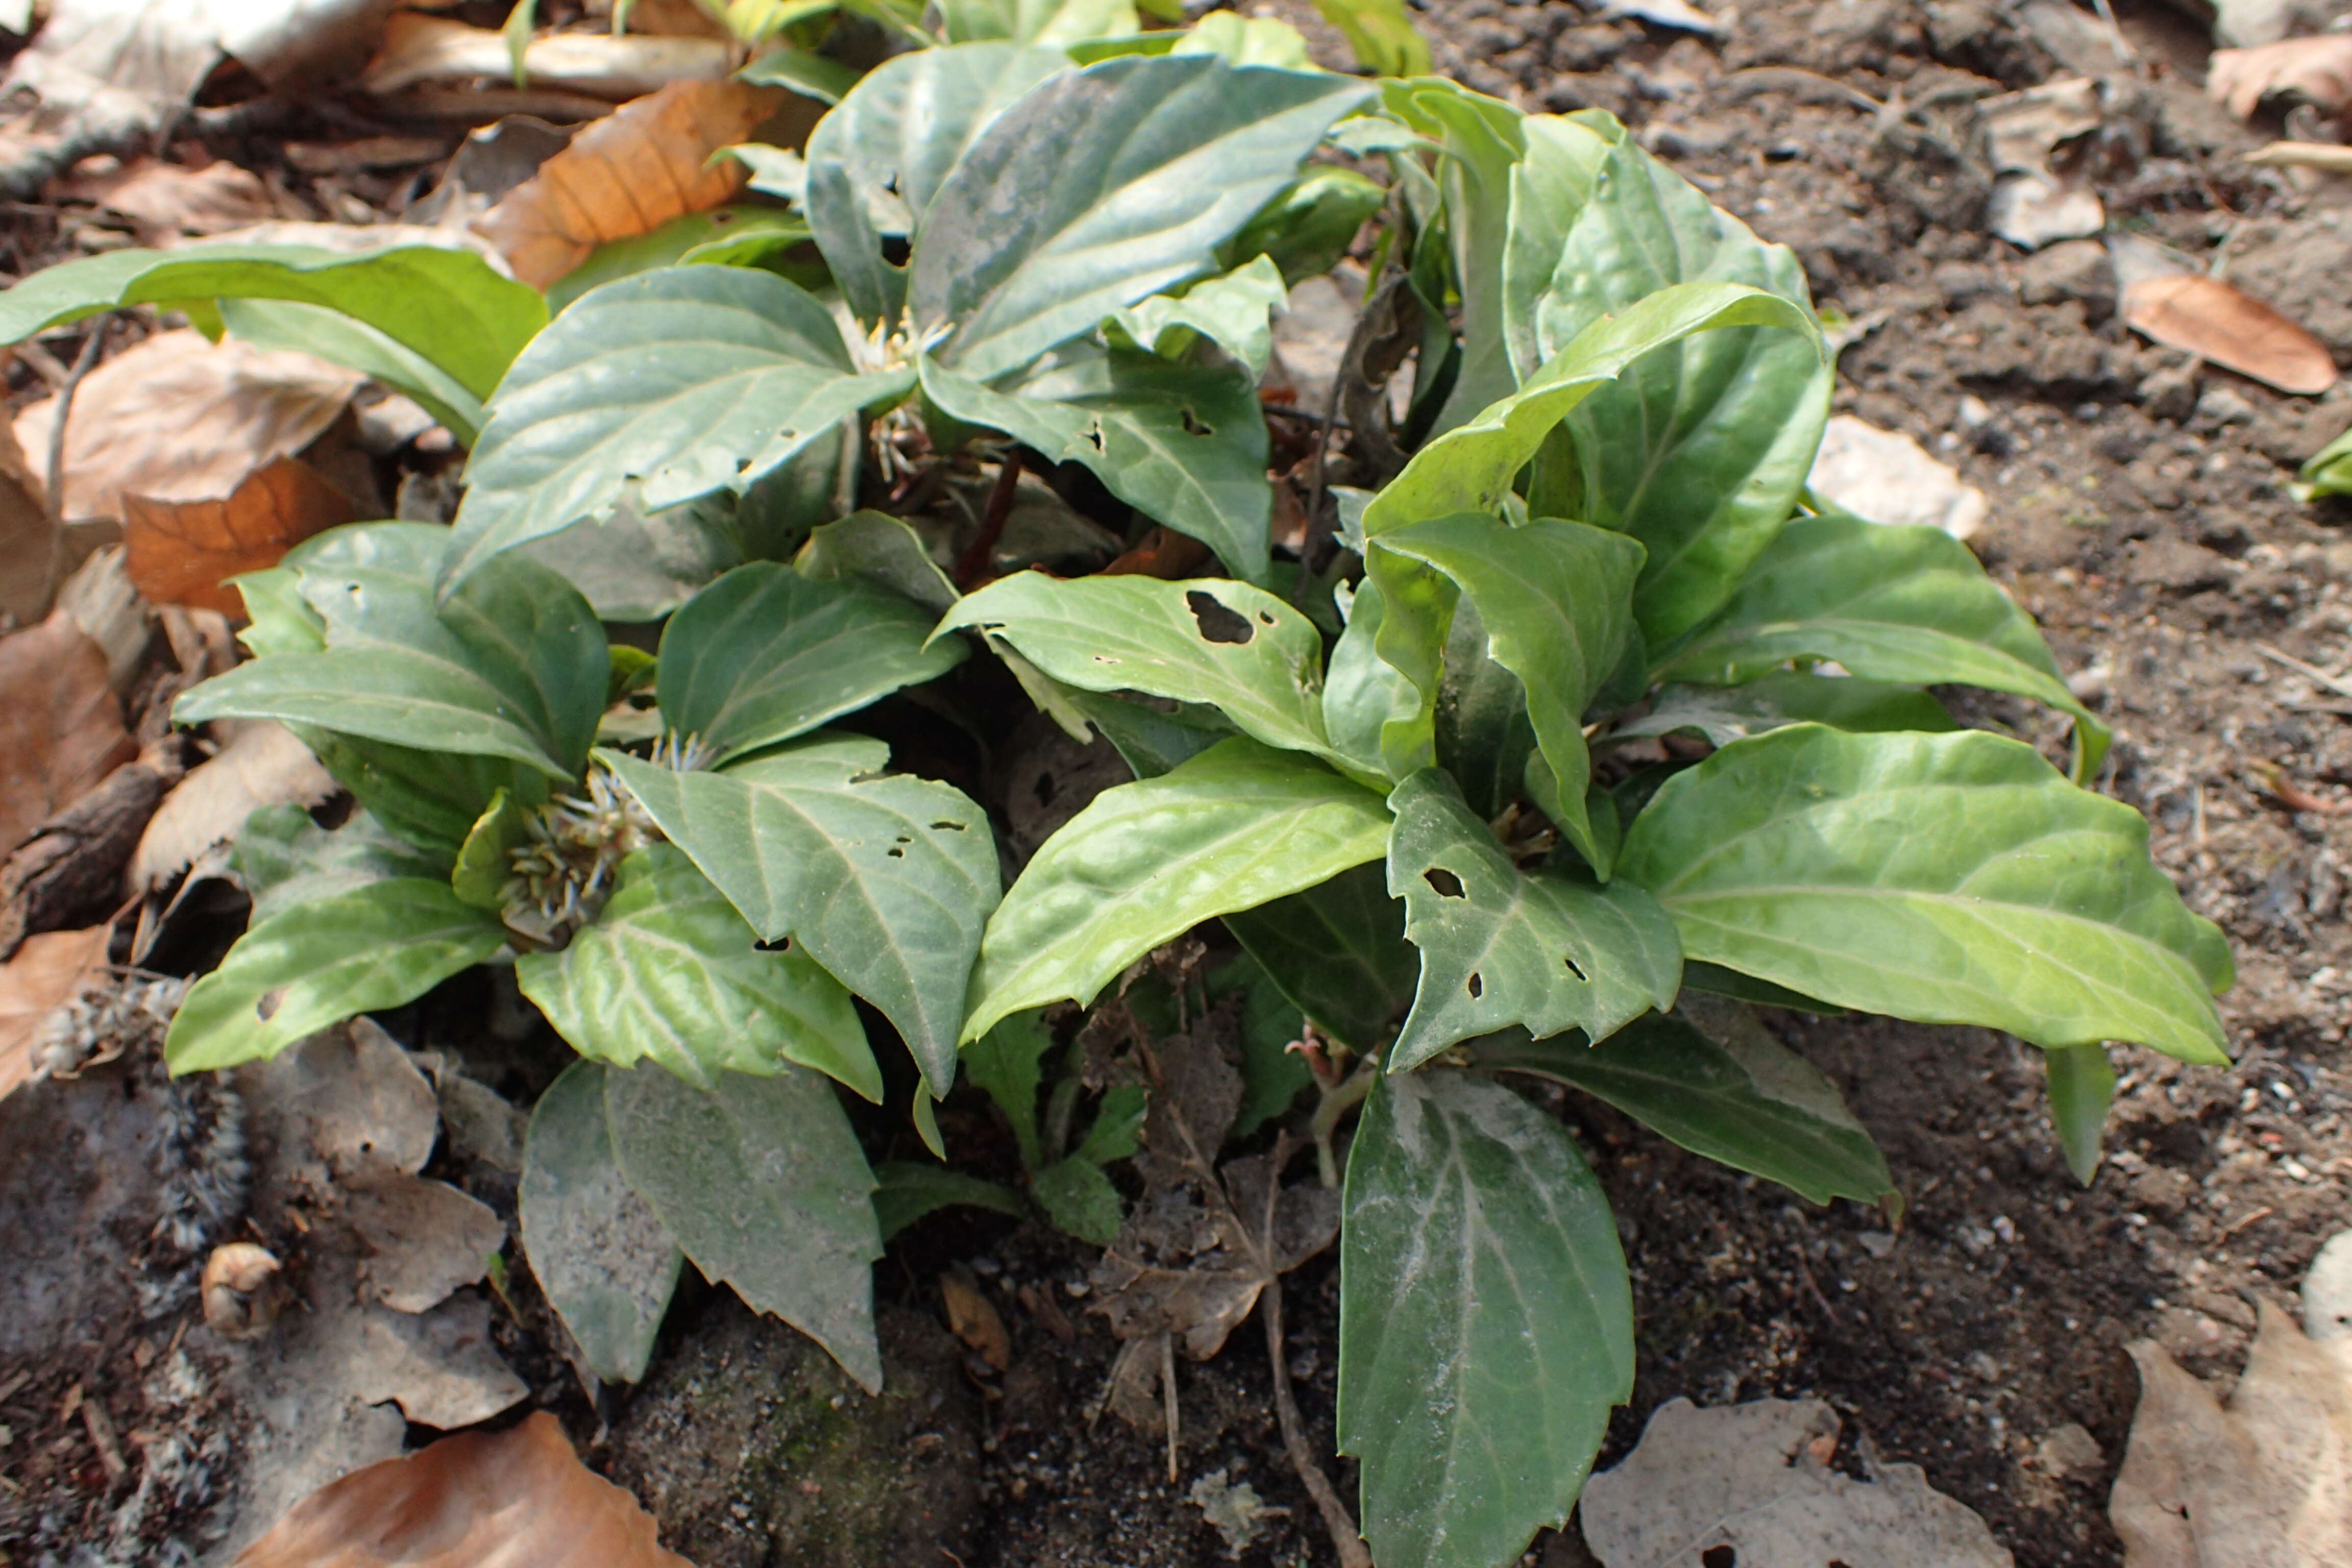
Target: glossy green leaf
[
  {"x": 878, "y": 548},
  {"x": 1004, "y": 1064},
  {"x": 1948, "y": 879},
  {"x": 1048, "y": 23},
  {"x": 1338, "y": 950},
  {"x": 2081, "y": 1084},
  {"x": 1546, "y": 950},
  {"x": 1100, "y": 188},
  {"x": 1248, "y": 41},
  {"x": 1309, "y": 227},
  {"x": 1710, "y": 1078},
  {"x": 1727, "y": 713},
  {"x": 597, "y": 1249},
  {"x": 764, "y": 1184},
  {"x": 283, "y": 858},
  {"x": 1382, "y": 33},
  {"x": 1186, "y": 445},
  {"x": 1079, "y": 1199},
  {"x": 1548, "y": 188},
  {"x": 910, "y": 1190},
  {"x": 633, "y": 568},
  {"x": 324, "y": 960},
  {"x": 1272, "y": 1073},
  {"x": 1555, "y": 599},
  {"x": 1362, "y": 693},
  {"x": 278, "y": 621},
  {"x": 1700, "y": 447},
  {"x": 875, "y": 163},
  {"x": 804, "y": 71},
  {"x": 765, "y": 654},
  {"x": 1907, "y": 604},
  {"x": 1232, "y": 829},
  {"x": 1234, "y": 311},
  {"x": 668, "y": 972},
  {"x": 320, "y": 329},
  {"x": 484, "y": 859},
  {"x": 884, "y": 878},
  {"x": 680, "y": 382},
  {"x": 733, "y": 236},
  {"x": 1471, "y": 468},
  {"x": 1486, "y": 1321},
  {"x": 1481, "y": 140},
  {"x": 449, "y": 306}
]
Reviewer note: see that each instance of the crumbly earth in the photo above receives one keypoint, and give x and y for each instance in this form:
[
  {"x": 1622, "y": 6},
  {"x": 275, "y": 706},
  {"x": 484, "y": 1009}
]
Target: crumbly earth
[{"x": 2138, "y": 507}]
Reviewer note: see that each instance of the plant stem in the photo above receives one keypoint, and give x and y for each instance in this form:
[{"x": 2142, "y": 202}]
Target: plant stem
[
  {"x": 1353, "y": 1552},
  {"x": 1336, "y": 1103},
  {"x": 974, "y": 563}
]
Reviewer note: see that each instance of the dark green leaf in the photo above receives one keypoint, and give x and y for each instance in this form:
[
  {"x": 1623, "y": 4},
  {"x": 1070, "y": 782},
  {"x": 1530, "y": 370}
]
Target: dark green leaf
[
  {"x": 1338, "y": 952},
  {"x": 909, "y": 1190},
  {"x": 1005, "y": 1063},
  {"x": 1484, "y": 735},
  {"x": 1308, "y": 228},
  {"x": 1272, "y": 1073},
  {"x": 1948, "y": 879},
  {"x": 284, "y": 858},
  {"x": 1486, "y": 1321},
  {"x": 483, "y": 868},
  {"x": 761, "y": 1182},
  {"x": 1728, "y": 713},
  {"x": 323, "y": 961},
  {"x": 430, "y": 799},
  {"x": 1148, "y": 740},
  {"x": 880, "y": 549},
  {"x": 633, "y": 568},
  {"x": 1079, "y": 1198},
  {"x": 1118, "y": 1130},
  {"x": 1717, "y": 981},
  {"x": 724, "y": 236},
  {"x": 669, "y": 971}
]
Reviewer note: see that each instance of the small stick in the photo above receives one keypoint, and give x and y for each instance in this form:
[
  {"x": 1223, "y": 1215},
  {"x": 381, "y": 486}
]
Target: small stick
[
  {"x": 975, "y": 561},
  {"x": 2325, "y": 156},
  {"x": 2335, "y": 683},
  {"x": 1167, "y": 1397},
  {"x": 1353, "y": 1552},
  {"x": 56, "y": 496}
]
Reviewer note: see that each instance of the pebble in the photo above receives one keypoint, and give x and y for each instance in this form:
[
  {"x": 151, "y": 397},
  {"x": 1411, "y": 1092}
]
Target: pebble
[{"x": 2328, "y": 1290}]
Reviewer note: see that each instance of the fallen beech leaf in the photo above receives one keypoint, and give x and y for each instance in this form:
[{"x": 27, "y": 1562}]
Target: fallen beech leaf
[
  {"x": 2263, "y": 1482},
  {"x": 44, "y": 976},
  {"x": 184, "y": 552},
  {"x": 61, "y": 729},
  {"x": 974, "y": 1320},
  {"x": 421, "y": 50},
  {"x": 2319, "y": 69},
  {"x": 27, "y": 537},
  {"x": 167, "y": 200},
  {"x": 479, "y": 1499},
  {"x": 178, "y": 419},
  {"x": 2210, "y": 319},
  {"x": 263, "y": 764},
  {"x": 628, "y": 174}
]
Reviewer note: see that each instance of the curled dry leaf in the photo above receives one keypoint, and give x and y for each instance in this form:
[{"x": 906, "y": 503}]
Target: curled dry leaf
[
  {"x": 61, "y": 729},
  {"x": 428, "y": 51},
  {"x": 479, "y": 1499},
  {"x": 242, "y": 1290},
  {"x": 2208, "y": 317},
  {"x": 44, "y": 975},
  {"x": 627, "y": 175},
  {"x": 185, "y": 552},
  {"x": 179, "y": 418},
  {"x": 974, "y": 1319},
  {"x": 263, "y": 764},
  {"x": 2317, "y": 68},
  {"x": 165, "y": 202}
]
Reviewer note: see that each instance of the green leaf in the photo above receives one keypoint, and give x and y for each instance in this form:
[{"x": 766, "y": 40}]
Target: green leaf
[
  {"x": 1048, "y": 23},
  {"x": 280, "y": 621},
  {"x": 884, "y": 878},
  {"x": 324, "y": 960},
  {"x": 284, "y": 858},
  {"x": 1272, "y": 1073},
  {"x": 878, "y": 548},
  {"x": 764, "y": 655},
  {"x": 2327, "y": 472},
  {"x": 909, "y": 1190},
  {"x": 1148, "y": 740},
  {"x": 669, "y": 971},
  {"x": 1727, "y": 713},
  {"x": 876, "y": 162},
  {"x": 1548, "y": 188},
  {"x": 1247, "y": 41},
  {"x": 723, "y": 236},
  {"x": 1118, "y": 1130},
  {"x": 1102, "y": 187},
  {"x": 283, "y": 324},
  {"x": 633, "y": 568},
  {"x": 1079, "y": 1199},
  {"x": 1233, "y": 311},
  {"x": 1240, "y": 648},
  {"x": 1382, "y": 33},
  {"x": 1555, "y": 600},
  {"x": 1700, "y": 447},
  {"x": 1907, "y": 604},
  {"x": 1486, "y": 1321},
  {"x": 484, "y": 859},
  {"x": 1500, "y": 946},
  {"x": 1230, "y": 829},
  {"x": 1308, "y": 228},
  {"x": 1362, "y": 693},
  {"x": 1710, "y": 1077},
  {"x": 1947, "y": 878},
  {"x": 1471, "y": 468},
  {"x": 429, "y": 799},
  {"x": 2082, "y": 1086},
  {"x": 680, "y": 382},
  {"x": 804, "y": 71},
  {"x": 761, "y": 1182},
  {"x": 1186, "y": 445},
  {"x": 1005, "y": 1063},
  {"x": 449, "y": 306},
  {"x": 1717, "y": 981},
  {"x": 1338, "y": 952},
  {"x": 1483, "y": 733},
  {"x": 596, "y": 1248}
]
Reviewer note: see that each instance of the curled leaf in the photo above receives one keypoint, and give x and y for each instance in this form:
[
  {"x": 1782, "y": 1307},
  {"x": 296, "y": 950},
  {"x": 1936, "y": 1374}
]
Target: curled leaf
[{"x": 2317, "y": 68}]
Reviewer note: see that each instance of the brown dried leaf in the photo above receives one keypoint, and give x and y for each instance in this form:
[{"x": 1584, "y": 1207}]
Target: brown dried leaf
[
  {"x": 69, "y": 869},
  {"x": 60, "y": 729},
  {"x": 27, "y": 537},
  {"x": 165, "y": 202},
  {"x": 2208, "y": 317},
  {"x": 423, "y": 1239},
  {"x": 263, "y": 764},
  {"x": 479, "y": 1499},
  {"x": 355, "y": 1109},
  {"x": 2318, "y": 68},
  {"x": 45, "y": 974},
  {"x": 178, "y": 419},
  {"x": 630, "y": 173},
  {"x": 431, "y": 51},
  {"x": 184, "y": 552},
  {"x": 974, "y": 1320}
]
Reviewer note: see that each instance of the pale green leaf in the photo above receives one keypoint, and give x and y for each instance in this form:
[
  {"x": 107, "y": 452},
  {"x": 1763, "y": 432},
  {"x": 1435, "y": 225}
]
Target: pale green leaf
[
  {"x": 1549, "y": 186},
  {"x": 1486, "y": 1321},
  {"x": 1338, "y": 950},
  {"x": 1233, "y": 311},
  {"x": 1362, "y": 693},
  {"x": 1308, "y": 227},
  {"x": 484, "y": 859},
  {"x": 1232, "y": 829},
  {"x": 290, "y": 324},
  {"x": 2081, "y": 1084},
  {"x": 283, "y": 858},
  {"x": 1050, "y": 24},
  {"x": 1948, "y": 879},
  {"x": 668, "y": 972},
  {"x": 1382, "y": 33},
  {"x": 761, "y": 1182},
  {"x": 1247, "y": 41}
]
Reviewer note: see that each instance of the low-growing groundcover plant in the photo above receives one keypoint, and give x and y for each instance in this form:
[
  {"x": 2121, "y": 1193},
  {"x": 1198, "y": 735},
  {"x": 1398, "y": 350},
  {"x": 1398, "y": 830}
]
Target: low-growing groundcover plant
[{"x": 1590, "y": 729}]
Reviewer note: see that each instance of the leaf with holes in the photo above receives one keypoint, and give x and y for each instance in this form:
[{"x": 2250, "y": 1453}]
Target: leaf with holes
[
  {"x": 1100, "y": 188},
  {"x": 884, "y": 878},
  {"x": 1544, "y": 950},
  {"x": 682, "y": 382},
  {"x": 764, "y": 654},
  {"x": 1722, "y": 714},
  {"x": 1890, "y": 603},
  {"x": 669, "y": 971},
  {"x": 1486, "y": 1321},
  {"x": 763, "y": 1184},
  {"x": 324, "y": 960},
  {"x": 1948, "y": 879},
  {"x": 1232, "y": 829},
  {"x": 1338, "y": 952},
  {"x": 284, "y": 858}
]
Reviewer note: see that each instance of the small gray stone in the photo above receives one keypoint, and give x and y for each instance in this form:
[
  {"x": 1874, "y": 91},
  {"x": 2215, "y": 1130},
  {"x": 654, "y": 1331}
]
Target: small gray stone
[
  {"x": 2073, "y": 269},
  {"x": 2169, "y": 392}
]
